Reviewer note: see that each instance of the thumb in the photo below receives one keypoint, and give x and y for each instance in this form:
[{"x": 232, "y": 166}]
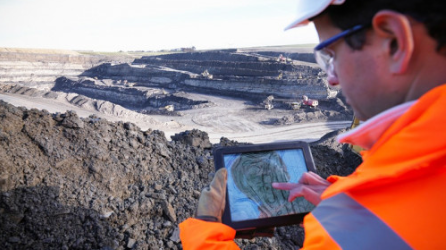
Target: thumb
[
  {"x": 212, "y": 199},
  {"x": 219, "y": 181}
]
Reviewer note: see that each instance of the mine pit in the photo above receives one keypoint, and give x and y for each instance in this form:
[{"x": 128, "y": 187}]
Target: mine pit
[{"x": 100, "y": 152}]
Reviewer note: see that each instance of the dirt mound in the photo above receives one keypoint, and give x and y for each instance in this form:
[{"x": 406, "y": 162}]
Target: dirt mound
[{"x": 86, "y": 183}]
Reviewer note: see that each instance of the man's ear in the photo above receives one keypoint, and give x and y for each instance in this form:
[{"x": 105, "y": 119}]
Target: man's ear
[{"x": 396, "y": 32}]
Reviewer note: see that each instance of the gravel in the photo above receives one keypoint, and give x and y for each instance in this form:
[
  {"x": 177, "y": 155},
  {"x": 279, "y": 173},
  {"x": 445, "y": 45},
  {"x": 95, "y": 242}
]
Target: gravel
[{"x": 86, "y": 183}]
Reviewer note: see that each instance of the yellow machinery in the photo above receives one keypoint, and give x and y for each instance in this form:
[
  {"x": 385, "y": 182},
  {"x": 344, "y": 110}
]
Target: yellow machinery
[{"x": 355, "y": 148}]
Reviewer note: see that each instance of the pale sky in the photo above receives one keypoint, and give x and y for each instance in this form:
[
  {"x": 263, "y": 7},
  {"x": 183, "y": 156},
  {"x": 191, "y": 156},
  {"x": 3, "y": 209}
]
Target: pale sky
[{"x": 111, "y": 25}]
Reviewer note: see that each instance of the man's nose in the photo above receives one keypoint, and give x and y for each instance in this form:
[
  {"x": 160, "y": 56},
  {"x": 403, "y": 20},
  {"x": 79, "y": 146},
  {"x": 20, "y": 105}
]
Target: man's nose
[{"x": 332, "y": 77}]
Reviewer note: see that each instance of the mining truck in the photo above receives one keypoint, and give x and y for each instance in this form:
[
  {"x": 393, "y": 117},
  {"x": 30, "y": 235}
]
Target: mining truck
[
  {"x": 268, "y": 102},
  {"x": 206, "y": 74},
  {"x": 169, "y": 108},
  {"x": 309, "y": 102},
  {"x": 295, "y": 105}
]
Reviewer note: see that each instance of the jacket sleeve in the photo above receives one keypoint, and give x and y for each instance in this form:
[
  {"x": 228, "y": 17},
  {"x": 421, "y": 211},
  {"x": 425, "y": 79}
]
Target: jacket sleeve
[
  {"x": 316, "y": 237},
  {"x": 198, "y": 234},
  {"x": 334, "y": 178}
]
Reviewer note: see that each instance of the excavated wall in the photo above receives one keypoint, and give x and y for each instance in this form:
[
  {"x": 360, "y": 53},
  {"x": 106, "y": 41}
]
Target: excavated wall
[
  {"x": 40, "y": 69},
  {"x": 284, "y": 88},
  {"x": 140, "y": 74},
  {"x": 226, "y": 72},
  {"x": 239, "y": 73}
]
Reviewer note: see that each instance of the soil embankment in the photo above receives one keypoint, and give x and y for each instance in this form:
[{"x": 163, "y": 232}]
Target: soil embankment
[{"x": 72, "y": 183}]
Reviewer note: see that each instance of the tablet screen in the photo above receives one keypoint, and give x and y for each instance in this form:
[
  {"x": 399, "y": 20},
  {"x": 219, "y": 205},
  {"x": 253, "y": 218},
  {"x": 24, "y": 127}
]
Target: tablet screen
[
  {"x": 251, "y": 201},
  {"x": 250, "y": 176}
]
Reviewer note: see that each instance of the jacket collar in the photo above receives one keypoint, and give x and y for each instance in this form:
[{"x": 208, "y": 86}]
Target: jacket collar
[{"x": 367, "y": 133}]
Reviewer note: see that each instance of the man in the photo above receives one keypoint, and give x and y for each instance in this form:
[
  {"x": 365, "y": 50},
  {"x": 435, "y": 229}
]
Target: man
[{"x": 389, "y": 57}]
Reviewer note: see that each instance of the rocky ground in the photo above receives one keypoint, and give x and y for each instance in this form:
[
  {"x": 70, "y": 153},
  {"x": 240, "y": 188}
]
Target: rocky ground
[{"x": 86, "y": 183}]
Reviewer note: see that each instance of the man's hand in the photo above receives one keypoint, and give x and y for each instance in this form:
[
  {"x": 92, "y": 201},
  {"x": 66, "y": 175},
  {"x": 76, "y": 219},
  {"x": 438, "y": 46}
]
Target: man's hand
[
  {"x": 212, "y": 199},
  {"x": 310, "y": 186}
]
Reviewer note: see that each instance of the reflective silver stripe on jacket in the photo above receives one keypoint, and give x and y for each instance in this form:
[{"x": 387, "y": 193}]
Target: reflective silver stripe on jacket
[{"x": 355, "y": 227}]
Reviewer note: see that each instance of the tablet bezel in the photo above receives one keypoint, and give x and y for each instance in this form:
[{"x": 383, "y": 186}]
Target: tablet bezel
[{"x": 284, "y": 220}]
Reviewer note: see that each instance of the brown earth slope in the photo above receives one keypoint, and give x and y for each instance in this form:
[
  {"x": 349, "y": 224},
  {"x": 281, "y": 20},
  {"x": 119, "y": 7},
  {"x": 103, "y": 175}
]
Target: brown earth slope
[{"x": 72, "y": 183}]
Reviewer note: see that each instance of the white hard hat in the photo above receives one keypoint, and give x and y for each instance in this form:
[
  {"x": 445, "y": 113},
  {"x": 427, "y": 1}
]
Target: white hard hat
[{"x": 307, "y": 9}]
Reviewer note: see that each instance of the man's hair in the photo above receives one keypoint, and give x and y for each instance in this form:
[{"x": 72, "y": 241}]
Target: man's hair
[{"x": 432, "y": 13}]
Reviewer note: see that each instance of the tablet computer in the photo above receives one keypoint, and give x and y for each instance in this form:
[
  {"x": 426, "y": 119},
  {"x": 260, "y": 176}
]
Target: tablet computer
[{"x": 251, "y": 201}]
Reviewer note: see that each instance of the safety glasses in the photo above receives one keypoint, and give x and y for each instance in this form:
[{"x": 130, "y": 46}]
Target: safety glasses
[{"x": 324, "y": 56}]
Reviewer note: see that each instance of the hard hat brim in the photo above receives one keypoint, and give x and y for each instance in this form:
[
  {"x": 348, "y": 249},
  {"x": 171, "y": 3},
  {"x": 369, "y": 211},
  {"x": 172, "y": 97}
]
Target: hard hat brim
[{"x": 307, "y": 9}]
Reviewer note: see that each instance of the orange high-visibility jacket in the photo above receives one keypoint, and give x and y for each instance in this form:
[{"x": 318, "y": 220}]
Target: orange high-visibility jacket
[{"x": 394, "y": 200}]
